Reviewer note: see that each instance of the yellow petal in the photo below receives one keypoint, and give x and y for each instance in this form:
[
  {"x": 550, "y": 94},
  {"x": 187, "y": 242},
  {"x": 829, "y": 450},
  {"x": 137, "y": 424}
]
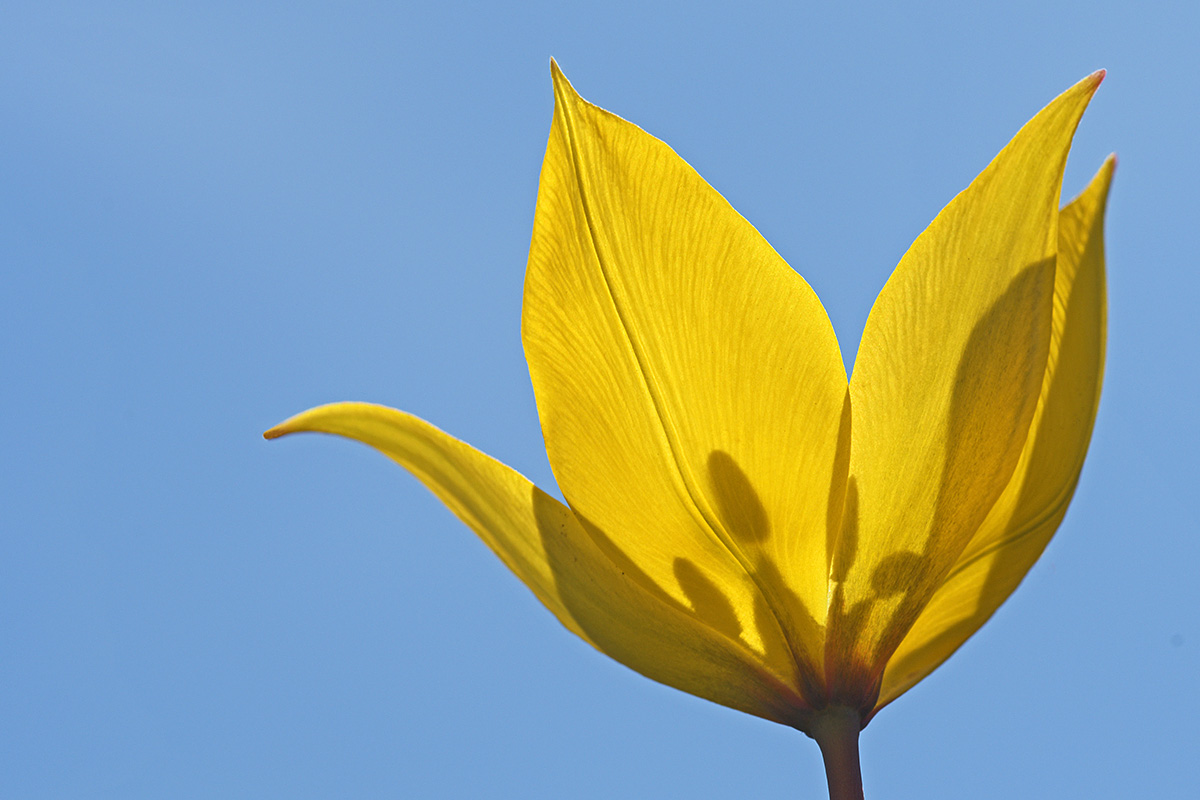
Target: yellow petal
[
  {"x": 1021, "y": 523},
  {"x": 540, "y": 540},
  {"x": 944, "y": 389},
  {"x": 689, "y": 385}
]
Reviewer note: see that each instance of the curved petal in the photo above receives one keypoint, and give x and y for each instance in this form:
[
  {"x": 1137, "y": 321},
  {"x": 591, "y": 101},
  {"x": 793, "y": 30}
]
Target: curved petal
[
  {"x": 689, "y": 384},
  {"x": 1021, "y": 523},
  {"x": 540, "y": 540},
  {"x": 945, "y": 386}
]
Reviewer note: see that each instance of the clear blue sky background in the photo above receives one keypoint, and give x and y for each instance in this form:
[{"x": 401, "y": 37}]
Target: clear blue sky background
[{"x": 211, "y": 218}]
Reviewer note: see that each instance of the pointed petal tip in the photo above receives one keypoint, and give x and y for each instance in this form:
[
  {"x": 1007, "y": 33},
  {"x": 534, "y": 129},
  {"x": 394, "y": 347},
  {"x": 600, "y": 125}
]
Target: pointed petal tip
[
  {"x": 319, "y": 418},
  {"x": 1088, "y": 86},
  {"x": 282, "y": 429},
  {"x": 565, "y": 95},
  {"x": 1107, "y": 170},
  {"x": 562, "y": 85},
  {"x": 1092, "y": 82},
  {"x": 299, "y": 423},
  {"x": 557, "y": 77},
  {"x": 1102, "y": 179}
]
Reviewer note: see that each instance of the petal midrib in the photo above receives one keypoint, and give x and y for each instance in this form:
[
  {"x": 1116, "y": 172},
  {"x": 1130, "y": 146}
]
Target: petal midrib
[{"x": 1059, "y": 503}]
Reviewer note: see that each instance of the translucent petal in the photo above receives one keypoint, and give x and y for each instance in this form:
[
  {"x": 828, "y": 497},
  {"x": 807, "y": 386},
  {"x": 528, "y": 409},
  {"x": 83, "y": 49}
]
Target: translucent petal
[
  {"x": 944, "y": 389},
  {"x": 689, "y": 384},
  {"x": 1021, "y": 523},
  {"x": 540, "y": 540}
]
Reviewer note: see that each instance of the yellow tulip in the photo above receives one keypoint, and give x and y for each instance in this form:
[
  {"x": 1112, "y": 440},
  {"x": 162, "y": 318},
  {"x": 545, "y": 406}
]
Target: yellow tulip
[{"x": 741, "y": 521}]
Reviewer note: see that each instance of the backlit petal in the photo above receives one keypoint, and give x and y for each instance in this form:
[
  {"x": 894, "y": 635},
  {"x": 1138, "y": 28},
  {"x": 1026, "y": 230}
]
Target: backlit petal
[
  {"x": 1033, "y": 504},
  {"x": 541, "y": 541},
  {"x": 944, "y": 389},
  {"x": 689, "y": 385}
]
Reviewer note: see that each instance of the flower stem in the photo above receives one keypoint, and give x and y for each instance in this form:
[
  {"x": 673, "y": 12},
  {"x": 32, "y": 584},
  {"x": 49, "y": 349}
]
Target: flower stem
[{"x": 836, "y": 732}]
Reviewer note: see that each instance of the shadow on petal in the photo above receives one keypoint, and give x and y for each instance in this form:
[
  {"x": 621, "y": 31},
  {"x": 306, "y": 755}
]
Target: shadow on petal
[
  {"x": 707, "y": 601},
  {"x": 624, "y": 615}
]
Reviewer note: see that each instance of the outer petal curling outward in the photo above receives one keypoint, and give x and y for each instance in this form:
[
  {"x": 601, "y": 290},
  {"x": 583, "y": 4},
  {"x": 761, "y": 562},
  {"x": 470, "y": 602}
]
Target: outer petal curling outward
[
  {"x": 540, "y": 540},
  {"x": 943, "y": 390},
  {"x": 1020, "y": 525},
  {"x": 689, "y": 385}
]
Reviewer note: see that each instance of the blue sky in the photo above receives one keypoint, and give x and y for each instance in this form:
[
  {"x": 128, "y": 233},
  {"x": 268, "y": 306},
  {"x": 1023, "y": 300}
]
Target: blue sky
[{"x": 213, "y": 217}]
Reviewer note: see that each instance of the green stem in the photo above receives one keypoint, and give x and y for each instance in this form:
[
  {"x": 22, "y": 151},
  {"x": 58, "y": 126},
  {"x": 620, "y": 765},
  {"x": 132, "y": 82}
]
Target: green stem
[{"x": 836, "y": 731}]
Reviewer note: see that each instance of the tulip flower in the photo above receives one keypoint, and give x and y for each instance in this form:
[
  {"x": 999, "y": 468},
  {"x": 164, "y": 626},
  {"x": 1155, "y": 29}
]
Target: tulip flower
[{"x": 741, "y": 521}]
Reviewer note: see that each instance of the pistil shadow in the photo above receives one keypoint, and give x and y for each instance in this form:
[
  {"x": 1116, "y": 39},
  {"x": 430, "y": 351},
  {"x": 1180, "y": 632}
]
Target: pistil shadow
[{"x": 777, "y": 605}]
